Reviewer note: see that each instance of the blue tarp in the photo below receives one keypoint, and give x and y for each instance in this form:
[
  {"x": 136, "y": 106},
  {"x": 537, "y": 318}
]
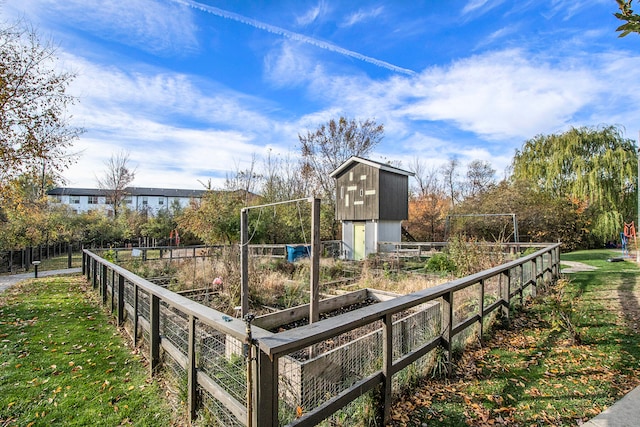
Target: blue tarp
[{"x": 298, "y": 251}]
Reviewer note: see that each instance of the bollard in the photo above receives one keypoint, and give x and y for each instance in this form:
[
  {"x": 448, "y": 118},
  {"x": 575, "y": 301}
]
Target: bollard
[{"x": 35, "y": 266}]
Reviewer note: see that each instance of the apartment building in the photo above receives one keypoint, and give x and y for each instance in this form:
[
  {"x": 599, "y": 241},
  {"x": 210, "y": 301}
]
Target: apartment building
[{"x": 151, "y": 200}]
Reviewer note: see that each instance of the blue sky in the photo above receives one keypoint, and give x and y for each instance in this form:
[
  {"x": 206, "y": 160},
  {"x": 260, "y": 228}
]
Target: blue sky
[{"x": 194, "y": 90}]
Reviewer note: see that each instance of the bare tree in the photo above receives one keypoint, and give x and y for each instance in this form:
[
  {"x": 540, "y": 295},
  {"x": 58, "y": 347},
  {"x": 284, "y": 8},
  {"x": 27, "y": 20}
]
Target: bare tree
[
  {"x": 480, "y": 177},
  {"x": 117, "y": 177},
  {"x": 426, "y": 179},
  {"x": 450, "y": 174},
  {"x": 282, "y": 179},
  {"x": 331, "y": 145}
]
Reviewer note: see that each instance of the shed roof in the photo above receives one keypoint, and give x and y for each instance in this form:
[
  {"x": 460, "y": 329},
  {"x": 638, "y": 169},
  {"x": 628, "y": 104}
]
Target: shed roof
[{"x": 378, "y": 165}]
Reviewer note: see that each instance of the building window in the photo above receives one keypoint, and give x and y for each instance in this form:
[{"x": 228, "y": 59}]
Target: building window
[
  {"x": 160, "y": 200},
  {"x": 127, "y": 200},
  {"x": 145, "y": 201},
  {"x": 74, "y": 200},
  {"x": 93, "y": 200}
]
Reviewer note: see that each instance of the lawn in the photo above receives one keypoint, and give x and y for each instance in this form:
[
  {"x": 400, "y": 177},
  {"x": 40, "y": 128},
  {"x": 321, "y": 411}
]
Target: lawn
[
  {"x": 567, "y": 356},
  {"x": 63, "y": 363}
]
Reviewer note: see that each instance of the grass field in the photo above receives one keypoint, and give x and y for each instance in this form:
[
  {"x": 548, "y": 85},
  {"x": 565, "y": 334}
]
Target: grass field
[
  {"x": 570, "y": 354},
  {"x": 63, "y": 363}
]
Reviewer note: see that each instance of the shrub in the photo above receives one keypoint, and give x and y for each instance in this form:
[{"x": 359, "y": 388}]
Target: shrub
[{"x": 440, "y": 263}]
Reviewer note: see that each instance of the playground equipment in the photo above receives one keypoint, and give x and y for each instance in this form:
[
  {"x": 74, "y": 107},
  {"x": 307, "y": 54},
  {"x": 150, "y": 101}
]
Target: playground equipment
[{"x": 629, "y": 231}]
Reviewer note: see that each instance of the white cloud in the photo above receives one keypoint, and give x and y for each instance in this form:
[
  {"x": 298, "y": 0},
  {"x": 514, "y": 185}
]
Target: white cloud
[
  {"x": 362, "y": 15},
  {"x": 502, "y": 95},
  {"x": 311, "y": 15},
  {"x": 158, "y": 27},
  {"x": 478, "y": 7}
]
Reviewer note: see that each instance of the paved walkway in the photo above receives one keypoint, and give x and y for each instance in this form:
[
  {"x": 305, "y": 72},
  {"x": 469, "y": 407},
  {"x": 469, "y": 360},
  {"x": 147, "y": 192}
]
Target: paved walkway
[
  {"x": 623, "y": 413},
  {"x": 9, "y": 280}
]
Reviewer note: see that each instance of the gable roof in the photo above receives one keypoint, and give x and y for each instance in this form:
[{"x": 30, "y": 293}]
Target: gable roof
[{"x": 377, "y": 165}]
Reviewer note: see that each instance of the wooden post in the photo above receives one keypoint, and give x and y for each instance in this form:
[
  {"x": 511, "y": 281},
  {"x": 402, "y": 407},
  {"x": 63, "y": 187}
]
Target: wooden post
[
  {"x": 84, "y": 264},
  {"x": 192, "y": 374},
  {"x": 69, "y": 255},
  {"x": 314, "y": 313},
  {"x": 244, "y": 264},
  {"x": 103, "y": 284},
  {"x": 387, "y": 367},
  {"x": 448, "y": 333},
  {"x": 481, "y": 308},
  {"x": 506, "y": 296},
  {"x": 94, "y": 273},
  {"x": 120, "y": 300},
  {"x": 154, "y": 344},
  {"x": 113, "y": 289},
  {"x": 534, "y": 285},
  {"x": 266, "y": 395},
  {"x": 136, "y": 314},
  {"x": 521, "y": 287}
]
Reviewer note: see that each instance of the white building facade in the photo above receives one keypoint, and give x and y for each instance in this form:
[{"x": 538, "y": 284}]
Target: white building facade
[{"x": 151, "y": 200}]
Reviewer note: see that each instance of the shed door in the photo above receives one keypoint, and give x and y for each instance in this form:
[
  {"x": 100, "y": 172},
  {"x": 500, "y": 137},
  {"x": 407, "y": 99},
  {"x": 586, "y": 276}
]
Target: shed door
[{"x": 358, "y": 241}]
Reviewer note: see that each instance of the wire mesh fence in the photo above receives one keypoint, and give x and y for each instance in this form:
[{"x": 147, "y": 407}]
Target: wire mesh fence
[{"x": 335, "y": 379}]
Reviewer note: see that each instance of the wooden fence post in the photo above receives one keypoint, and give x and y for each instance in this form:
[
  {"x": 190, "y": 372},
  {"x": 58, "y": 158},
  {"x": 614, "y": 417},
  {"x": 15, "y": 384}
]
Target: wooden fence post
[
  {"x": 482, "y": 291},
  {"x": 154, "y": 339},
  {"x": 265, "y": 412},
  {"x": 448, "y": 333},
  {"x": 387, "y": 367},
  {"x": 113, "y": 289},
  {"x": 103, "y": 284},
  {"x": 506, "y": 296},
  {"x": 94, "y": 273},
  {"x": 192, "y": 374},
  {"x": 536, "y": 277},
  {"x": 120, "y": 299},
  {"x": 136, "y": 313},
  {"x": 314, "y": 312}
]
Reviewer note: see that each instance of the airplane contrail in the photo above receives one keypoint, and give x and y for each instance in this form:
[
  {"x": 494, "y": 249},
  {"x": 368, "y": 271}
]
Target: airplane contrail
[{"x": 293, "y": 36}]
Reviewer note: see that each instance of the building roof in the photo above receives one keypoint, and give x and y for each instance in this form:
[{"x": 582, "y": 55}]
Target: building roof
[
  {"x": 66, "y": 191},
  {"x": 133, "y": 191},
  {"x": 378, "y": 165}
]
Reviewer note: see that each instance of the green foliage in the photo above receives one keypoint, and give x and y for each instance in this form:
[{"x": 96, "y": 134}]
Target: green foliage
[
  {"x": 541, "y": 216},
  {"x": 593, "y": 169},
  {"x": 440, "y": 263},
  {"x": 631, "y": 19},
  {"x": 34, "y": 132},
  {"x": 216, "y": 219}
]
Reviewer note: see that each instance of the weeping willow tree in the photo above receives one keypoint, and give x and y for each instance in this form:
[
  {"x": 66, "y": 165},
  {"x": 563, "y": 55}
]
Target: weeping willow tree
[{"x": 593, "y": 167}]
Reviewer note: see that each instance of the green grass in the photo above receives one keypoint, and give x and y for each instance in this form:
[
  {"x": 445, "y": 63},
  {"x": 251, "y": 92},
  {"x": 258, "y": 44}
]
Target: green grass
[
  {"x": 537, "y": 372},
  {"x": 63, "y": 363}
]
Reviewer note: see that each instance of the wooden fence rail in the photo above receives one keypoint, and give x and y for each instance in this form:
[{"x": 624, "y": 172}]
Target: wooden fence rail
[{"x": 206, "y": 344}]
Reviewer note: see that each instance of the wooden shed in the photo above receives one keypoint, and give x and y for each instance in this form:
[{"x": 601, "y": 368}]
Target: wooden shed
[{"x": 372, "y": 200}]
